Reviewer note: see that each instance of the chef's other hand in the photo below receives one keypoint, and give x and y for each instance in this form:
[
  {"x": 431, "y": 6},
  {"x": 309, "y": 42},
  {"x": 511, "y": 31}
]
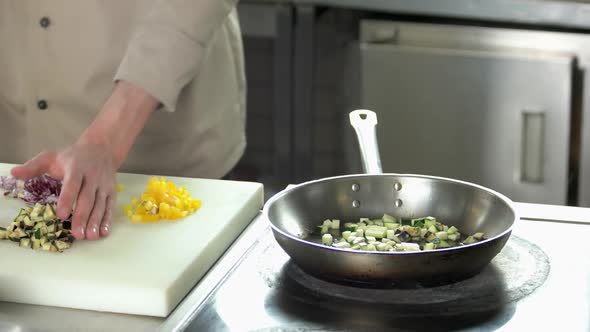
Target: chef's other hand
[{"x": 87, "y": 173}]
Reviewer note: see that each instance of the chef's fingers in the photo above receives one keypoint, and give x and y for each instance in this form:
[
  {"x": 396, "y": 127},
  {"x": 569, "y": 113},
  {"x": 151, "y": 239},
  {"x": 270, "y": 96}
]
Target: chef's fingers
[
  {"x": 36, "y": 166},
  {"x": 70, "y": 189},
  {"x": 84, "y": 205},
  {"x": 96, "y": 216},
  {"x": 107, "y": 219}
]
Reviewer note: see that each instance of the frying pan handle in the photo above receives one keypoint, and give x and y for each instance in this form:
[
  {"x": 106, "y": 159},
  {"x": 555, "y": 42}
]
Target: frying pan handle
[{"x": 364, "y": 122}]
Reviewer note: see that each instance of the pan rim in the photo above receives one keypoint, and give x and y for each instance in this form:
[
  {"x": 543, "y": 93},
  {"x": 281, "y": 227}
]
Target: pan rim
[{"x": 288, "y": 190}]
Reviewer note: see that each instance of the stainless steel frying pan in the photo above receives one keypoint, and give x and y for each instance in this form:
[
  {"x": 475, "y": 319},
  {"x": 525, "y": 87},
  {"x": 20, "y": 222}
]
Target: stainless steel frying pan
[{"x": 295, "y": 213}]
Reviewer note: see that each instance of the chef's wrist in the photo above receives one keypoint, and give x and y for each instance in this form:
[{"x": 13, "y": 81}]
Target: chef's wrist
[{"x": 120, "y": 121}]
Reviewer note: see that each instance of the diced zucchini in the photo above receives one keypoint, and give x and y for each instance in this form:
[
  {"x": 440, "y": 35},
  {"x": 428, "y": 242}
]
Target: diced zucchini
[
  {"x": 349, "y": 226},
  {"x": 478, "y": 236},
  {"x": 423, "y": 232},
  {"x": 27, "y": 221},
  {"x": 369, "y": 247},
  {"x": 342, "y": 245},
  {"x": 453, "y": 237},
  {"x": 429, "y": 246},
  {"x": 418, "y": 222},
  {"x": 25, "y": 242},
  {"x": 3, "y": 235},
  {"x": 19, "y": 233},
  {"x": 37, "y": 218},
  {"x": 377, "y": 232},
  {"x": 388, "y": 219},
  {"x": 469, "y": 240},
  {"x": 430, "y": 236},
  {"x": 335, "y": 224},
  {"x": 327, "y": 239},
  {"x": 452, "y": 230},
  {"x": 346, "y": 234},
  {"x": 358, "y": 239},
  {"x": 21, "y": 216},
  {"x": 443, "y": 244},
  {"x": 408, "y": 246},
  {"x": 413, "y": 231},
  {"x": 393, "y": 226},
  {"x": 37, "y": 210},
  {"x": 46, "y": 246},
  {"x": 48, "y": 213},
  {"x": 21, "y": 213},
  {"x": 390, "y": 234},
  {"x": 381, "y": 247},
  {"x": 62, "y": 245},
  {"x": 384, "y": 234}
]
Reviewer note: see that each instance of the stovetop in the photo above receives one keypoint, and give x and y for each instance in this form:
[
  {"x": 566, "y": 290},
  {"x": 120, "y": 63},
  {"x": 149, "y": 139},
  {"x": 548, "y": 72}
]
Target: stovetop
[{"x": 540, "y": 280}]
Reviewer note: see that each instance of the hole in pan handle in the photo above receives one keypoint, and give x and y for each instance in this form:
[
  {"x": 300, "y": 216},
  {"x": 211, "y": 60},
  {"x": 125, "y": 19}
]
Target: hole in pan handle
[{"x": 364, "y": 123}]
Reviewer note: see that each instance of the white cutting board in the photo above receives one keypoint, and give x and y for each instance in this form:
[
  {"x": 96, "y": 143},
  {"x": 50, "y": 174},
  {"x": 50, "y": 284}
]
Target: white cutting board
[{"x": 143, "y": 269}]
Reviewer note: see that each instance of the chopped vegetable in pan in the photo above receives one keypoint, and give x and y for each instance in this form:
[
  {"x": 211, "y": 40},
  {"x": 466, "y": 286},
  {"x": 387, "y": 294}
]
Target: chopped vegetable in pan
[
  {"x": 389, "y": 234},
  {"x": 39, "y": 228}
]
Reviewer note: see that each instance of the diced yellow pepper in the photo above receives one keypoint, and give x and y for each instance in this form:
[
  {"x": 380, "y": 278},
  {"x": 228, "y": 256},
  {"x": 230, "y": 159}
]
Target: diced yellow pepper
[{"x": 162, "y": 200}]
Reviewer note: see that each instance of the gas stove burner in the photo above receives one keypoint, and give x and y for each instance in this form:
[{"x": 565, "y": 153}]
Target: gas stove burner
[{"x": 519, "y": 269}]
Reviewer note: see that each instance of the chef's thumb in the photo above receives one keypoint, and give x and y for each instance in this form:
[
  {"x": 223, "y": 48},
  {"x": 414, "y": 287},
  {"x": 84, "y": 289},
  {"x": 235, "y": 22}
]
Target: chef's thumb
[{"x": 37, "y": 166}]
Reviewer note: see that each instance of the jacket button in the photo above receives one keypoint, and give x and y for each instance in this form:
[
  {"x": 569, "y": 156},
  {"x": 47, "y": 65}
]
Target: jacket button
[
  {"x": 42, "y": 104},
  {"x": 44, "y": 22}
]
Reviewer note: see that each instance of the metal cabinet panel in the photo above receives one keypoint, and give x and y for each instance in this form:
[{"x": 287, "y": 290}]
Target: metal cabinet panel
[{"x": 497, "y": 118}]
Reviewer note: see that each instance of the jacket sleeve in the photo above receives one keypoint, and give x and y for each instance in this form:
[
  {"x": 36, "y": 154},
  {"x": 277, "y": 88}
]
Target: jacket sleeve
[{"x": 169, "y": 44}]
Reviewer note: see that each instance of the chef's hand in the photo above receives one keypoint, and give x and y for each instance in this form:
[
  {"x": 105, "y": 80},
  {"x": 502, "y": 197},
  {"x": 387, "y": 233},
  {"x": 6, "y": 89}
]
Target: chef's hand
[
  {"x": 87, "y": 172},
  {"x": 88, "y": 167}
]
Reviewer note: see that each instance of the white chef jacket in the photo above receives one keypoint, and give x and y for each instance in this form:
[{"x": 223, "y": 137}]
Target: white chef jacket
[{"x": 59, "y": 60}]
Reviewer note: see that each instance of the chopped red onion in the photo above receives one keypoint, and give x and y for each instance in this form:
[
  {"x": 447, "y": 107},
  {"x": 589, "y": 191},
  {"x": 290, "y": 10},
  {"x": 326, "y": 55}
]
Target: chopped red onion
[{"x": 42, "y": 189}]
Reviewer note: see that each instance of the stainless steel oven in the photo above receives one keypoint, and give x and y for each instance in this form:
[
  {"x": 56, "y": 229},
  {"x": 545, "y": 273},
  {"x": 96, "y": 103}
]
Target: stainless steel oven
[{"x": 495, "y": 106}]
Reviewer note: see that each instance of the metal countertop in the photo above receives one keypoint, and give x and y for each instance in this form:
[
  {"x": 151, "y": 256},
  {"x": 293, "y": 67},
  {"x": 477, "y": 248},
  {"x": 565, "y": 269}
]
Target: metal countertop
[{"x": 536, "y": 220}]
